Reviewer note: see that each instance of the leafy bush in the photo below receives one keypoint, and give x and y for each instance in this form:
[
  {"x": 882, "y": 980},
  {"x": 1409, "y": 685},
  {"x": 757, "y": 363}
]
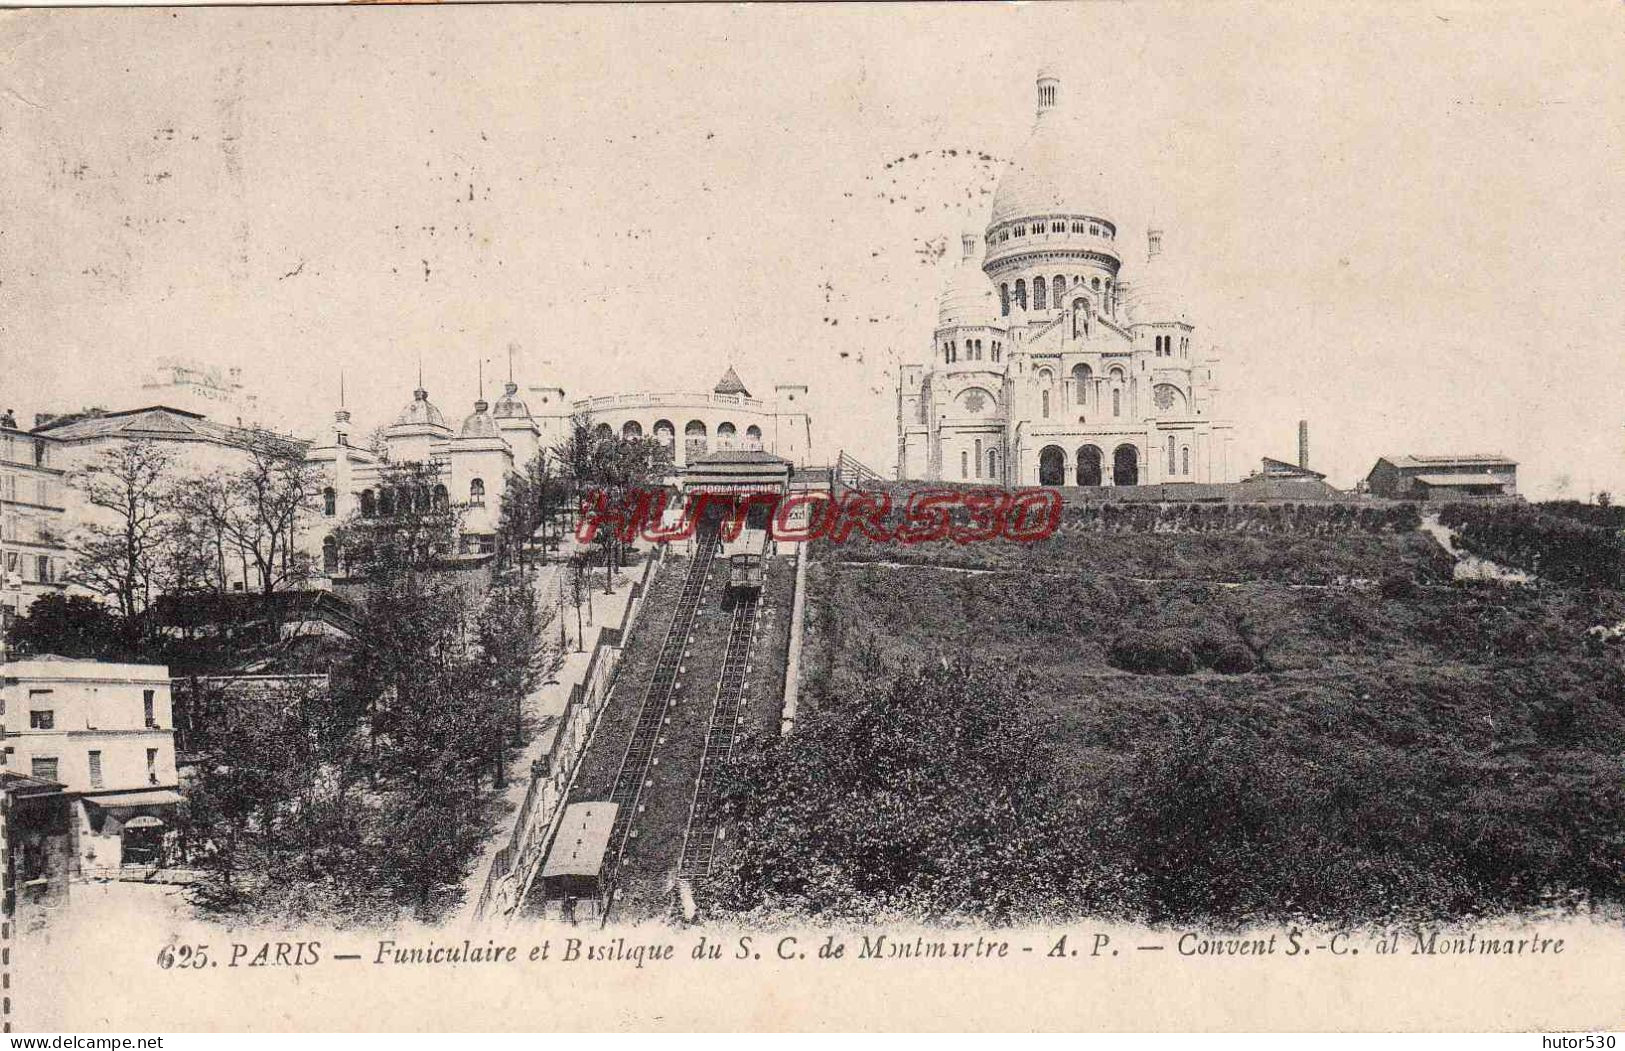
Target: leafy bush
[{"x": 1153, "y": 653}]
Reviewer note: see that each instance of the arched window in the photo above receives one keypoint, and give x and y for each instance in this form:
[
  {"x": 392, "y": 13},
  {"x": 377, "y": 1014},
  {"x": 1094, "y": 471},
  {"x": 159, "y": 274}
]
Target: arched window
[
  {"x": 1126, "y": 465},
  {"x": 665, "y": 433},
  {"x": 1171, "y": 461},
  {"x": 1057, "y": 289},
  {"x": 330, "y": 502},
  {"x": 1021, "y": 293},
  {"x": 369, "y": 503},
  {"x": 631, "y": 429},
  {"x": 1052, "y": 465},
  {"x": 978, "y": 457},
  {"x": 694, "y": 443},
  {"x": 1094, "y": 283},
  {"x": 1044, "y": 398},
  {"x": 1004, "y": 300},
  {"x": 993, "y": 464},
  {"x": 947, "y": 359},
  {"x": 476, "y": 492},
  {"x": 603, "y": 432},
  {"x": 1117, "y": 402},
  {"x": 1040, "y": 294},
  {"x": 964, "y": 464},
  {"x": 330, "y": 556},
  {"x": 1185, "y": 459},
  {"x": 996, "y": 350},
  {"x": 1089, "y": 465},
  {"x": 1082, "y": 375},
  {"x": 753, "y": 436},
  {"x": 442, "y": 499},
  {"x": 725, "y": 435}
]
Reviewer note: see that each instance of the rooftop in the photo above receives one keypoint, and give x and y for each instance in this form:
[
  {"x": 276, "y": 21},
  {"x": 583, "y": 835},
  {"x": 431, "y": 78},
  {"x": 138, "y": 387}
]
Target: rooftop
[
  {"x": 582, "y": 839},
  {"x": 1452, "y": 460}
]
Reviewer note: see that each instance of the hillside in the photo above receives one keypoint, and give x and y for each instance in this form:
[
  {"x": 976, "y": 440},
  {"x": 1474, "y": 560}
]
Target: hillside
[{"x": 1264, "y": 714}]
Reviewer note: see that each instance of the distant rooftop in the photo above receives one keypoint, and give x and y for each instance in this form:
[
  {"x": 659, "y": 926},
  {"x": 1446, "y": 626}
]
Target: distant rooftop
[{"x": 1452, "y": 460}]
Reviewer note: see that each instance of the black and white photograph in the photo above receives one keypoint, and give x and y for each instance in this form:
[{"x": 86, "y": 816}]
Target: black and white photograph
[{"x": 1063, "y": 517}]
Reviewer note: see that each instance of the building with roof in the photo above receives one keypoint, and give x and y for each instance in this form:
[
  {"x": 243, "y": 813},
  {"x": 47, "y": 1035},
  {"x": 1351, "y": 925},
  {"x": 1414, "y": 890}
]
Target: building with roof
[
  {"x": 201, "y": 388},
  {"x": 105, "y": 733},
  {"x": 473, "y": 460},
  {"x": 33, "y": 521},
  {"x": 197, "y": 446},
  {"x": 1051, "y": 362},
  {"x": 1471, "y": 476}
]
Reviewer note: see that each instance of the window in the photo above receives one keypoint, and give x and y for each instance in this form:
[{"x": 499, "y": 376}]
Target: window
[
  {"x": 1095, "y": 230},
  {"x": 1170, "y": 454},
  {"x": 43, "y": 767},
  {"x": 441, "y": 498},
  {"x": 95, "y": 769},
  {"x": 978, "y": 457},
  {"x": 44, "y": 562},
  {"x": 1004, "y": 300},
  {"x": 1044, "y": 398},
  {"x": 149, "y": 712},
  {"x": 1185, "y": 458},
  {"x": 39, "y": 452},
  {"x": 330, "y": 502},
  {"x": 993, "y": 464},
  {"x": 1058, "y": 228},
  {"x": 1040, "y": 295},
  {"x": 369, "y": 504},
  {"x": 964, "y": 466},
  {"x": 152, "y": 766},
  {"x": 1021, "y": 293},
  {"x": 42, "y": 719},
  {"x": 1094, "y": 283},
  {"x": 996, "y": 350},
  {"x": 1117, "y": 403},
  {"x": 476, "y": 492}
]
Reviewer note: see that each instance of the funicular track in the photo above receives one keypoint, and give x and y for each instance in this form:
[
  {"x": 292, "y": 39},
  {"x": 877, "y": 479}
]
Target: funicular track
[
  {"x": 700, "y": 839},
  {"x": 634, "y": 769}
]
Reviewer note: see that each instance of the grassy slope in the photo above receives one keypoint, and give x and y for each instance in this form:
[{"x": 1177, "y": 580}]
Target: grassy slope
[{"x": 1481, "y": 710}]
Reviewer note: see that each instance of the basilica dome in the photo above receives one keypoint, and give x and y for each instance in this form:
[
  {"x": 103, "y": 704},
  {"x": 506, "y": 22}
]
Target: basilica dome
[
  {"x": 1057, "y": 172},
  {"x": 968, "y": 298}
]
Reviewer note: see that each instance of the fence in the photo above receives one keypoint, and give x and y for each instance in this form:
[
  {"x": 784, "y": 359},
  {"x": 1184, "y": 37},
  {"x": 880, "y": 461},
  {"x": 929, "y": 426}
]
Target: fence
[{"x": 550, "y": 775}]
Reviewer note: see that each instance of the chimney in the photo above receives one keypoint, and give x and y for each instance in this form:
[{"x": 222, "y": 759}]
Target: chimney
[{"x": 1303, "y": 444}]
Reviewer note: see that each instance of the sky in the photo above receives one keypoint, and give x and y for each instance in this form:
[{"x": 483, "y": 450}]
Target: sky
[{"x": 1403, "y": 223}]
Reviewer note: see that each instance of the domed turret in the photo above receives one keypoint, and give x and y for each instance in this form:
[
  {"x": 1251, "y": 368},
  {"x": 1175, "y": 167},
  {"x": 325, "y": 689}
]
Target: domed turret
[
  {"x": 968, "y": 298},
  {"x": 509, "y": 406},
  {"x": 1153, "y": 292},
  {"x": 1055, "y": 173},
  {"x": 419, "y": 412},
  {"x": 479, "y": 423}
]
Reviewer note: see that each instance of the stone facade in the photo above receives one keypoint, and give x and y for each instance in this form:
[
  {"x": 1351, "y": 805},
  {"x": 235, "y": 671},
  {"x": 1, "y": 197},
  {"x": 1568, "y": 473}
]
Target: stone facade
[{"x": 1051, "y": 363}]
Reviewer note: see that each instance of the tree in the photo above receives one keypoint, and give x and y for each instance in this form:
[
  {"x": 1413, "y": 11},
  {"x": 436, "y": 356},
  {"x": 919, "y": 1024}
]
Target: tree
[
  {"x": 255, "y": 512},
  {"x": 117, "y": 552},
  {"x": 413, "y": 668},
  {"x": 68, "y": 626},
  {"x": 531, "y": 501}
]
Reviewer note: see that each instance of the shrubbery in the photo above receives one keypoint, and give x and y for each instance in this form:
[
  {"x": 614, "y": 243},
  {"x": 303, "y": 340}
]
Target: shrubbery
[{"x": 1558, "y": 542}]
